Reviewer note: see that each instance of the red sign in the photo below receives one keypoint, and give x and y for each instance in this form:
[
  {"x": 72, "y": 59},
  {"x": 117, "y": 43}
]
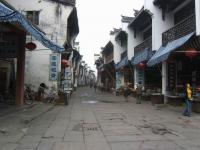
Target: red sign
[
  {"x": 65, "y": 63},
  {"x": 31, "y": 46},
  {"x": 141, "y": 65}
]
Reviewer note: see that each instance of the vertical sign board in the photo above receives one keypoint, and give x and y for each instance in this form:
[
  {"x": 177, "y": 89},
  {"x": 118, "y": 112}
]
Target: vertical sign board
[
  {"x": 53, "y": 70},
  {"x": 118, "y": 80},
  {"x": 67, "y": 82}
]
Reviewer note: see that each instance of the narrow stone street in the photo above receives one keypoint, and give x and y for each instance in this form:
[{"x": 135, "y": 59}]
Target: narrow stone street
[{"x": 99, "y": 121}]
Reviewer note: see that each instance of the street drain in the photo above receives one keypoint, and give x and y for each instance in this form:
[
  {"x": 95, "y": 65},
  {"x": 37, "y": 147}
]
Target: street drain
[
  {"x": 157, "y": 129},
  {"x": 116, "y": 119},
  {"x": 48, "y": 137},
  {"x": 160, "y": 131},
  {"x": 90, "y": 127}
]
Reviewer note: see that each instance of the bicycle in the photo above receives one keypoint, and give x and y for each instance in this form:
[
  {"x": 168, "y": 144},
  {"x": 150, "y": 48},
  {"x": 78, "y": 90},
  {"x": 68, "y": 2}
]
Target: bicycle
[
  {"x": 29, "y": 95},
  {"x": 51, "y": 96}
]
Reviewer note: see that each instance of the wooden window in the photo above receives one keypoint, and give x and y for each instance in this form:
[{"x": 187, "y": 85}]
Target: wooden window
[
  {"x": 33, "y": 16},
  {"x": 184, "y": 13},
  {"x": 147, "y": 34}
]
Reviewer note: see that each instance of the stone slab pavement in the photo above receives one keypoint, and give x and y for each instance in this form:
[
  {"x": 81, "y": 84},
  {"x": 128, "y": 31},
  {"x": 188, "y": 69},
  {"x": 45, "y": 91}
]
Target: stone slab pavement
[{"x": 100, "y": 121}]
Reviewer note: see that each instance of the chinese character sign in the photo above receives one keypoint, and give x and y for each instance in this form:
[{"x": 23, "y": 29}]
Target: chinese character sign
[{"x": 53, "y": 70}]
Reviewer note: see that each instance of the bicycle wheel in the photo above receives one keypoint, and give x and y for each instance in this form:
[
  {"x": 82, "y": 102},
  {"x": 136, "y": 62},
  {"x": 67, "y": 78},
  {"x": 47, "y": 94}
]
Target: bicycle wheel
[{"x": 27, "y": 99}]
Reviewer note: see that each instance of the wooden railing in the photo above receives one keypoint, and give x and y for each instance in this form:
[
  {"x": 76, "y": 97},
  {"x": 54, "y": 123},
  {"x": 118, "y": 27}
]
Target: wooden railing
[
  {"x": 181, "y": 29},
  {"x": 145, "y": 44}
]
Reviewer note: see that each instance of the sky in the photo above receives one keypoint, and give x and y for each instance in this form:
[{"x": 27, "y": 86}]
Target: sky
[{"x": 96, "y": 19}]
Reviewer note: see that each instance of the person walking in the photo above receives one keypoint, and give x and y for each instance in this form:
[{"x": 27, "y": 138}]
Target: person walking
[
  {"x": 95, "y": 87},
  {"x": 126, "y": 91},
  {"x": 188, "y": 100},
  {"x": 139, "y": 93}
]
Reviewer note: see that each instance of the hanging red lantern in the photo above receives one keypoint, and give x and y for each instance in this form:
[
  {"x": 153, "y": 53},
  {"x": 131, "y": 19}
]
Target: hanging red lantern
[
  {"x": 141, "y": 65},
  {"x": 191, "y": 53},
  {"x": 31, "y": 46},
  {"x": 65, "y": 63}
]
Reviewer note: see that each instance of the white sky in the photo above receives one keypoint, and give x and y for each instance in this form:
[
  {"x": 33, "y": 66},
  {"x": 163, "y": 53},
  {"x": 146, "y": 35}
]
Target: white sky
[{"x": 96, "y": 19}]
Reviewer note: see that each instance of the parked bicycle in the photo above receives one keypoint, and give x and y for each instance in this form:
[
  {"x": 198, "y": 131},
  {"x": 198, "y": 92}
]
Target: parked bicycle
[
  {"x": 51, "y": 95},
  {"x": 29, "y": 95}
]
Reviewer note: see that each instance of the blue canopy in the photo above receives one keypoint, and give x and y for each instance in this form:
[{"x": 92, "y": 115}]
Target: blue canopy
[
  {"x": 141, "y": 56},
  {"x": 10, "y": 15},
  {"x": 163, "y": 52},
  {"x": 124, "y": 62}
]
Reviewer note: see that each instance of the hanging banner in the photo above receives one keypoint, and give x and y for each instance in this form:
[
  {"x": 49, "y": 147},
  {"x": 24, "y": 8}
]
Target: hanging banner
[{"x": 53, "y": 70}]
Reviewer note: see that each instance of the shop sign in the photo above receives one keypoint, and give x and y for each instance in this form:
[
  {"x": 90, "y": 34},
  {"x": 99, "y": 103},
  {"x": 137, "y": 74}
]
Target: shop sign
[
  {"x": 67, "y": 82},
  {"x": 53, "y": 70},
  {"x": 68, "y": 74}
]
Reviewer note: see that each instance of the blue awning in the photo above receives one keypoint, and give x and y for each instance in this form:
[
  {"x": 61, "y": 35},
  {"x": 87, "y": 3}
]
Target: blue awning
[
  {"x": 163, "y": 52},
  {"x": 141, "y": 56},
  {"x": 10, "y": 15},
  {"x": 124, "y": 62}
]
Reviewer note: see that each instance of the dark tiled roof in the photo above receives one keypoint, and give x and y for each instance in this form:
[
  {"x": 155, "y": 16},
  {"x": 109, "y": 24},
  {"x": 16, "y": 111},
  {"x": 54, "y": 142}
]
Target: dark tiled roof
[
  {"x": 115, "y": 30},
  {"x": 169, "y": 4},
  {"x": 126, "y": 19},
  {"x": 141, "y": 20},
  {"x": 65, "y": 2},
  {"x": 121, "y": 36},
  {"x": 108, "y": 48}
]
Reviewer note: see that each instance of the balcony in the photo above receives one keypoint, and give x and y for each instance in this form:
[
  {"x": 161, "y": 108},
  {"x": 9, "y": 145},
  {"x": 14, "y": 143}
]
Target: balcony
[
  {"x": 124, "y": 54},
  {"x": 181, "y": 29},
  {"x": 145, "y": 44}
]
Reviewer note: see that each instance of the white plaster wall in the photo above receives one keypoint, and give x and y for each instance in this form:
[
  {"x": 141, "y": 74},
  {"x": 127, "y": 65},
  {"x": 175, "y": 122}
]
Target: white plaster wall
[
  {"x": 55, "y": 27},
  {"x": 158, "y": 25},
  {"x": 116, "y": 49},
  {"x": 48, "y": 21},
  {"x": 130, "y": 43},
  {"x": 37, "y": 67},
  {"x": 197, "y": 9}
]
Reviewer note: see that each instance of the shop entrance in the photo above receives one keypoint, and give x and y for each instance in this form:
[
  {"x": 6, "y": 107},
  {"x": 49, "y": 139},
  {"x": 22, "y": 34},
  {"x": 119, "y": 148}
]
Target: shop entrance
[{"x": 3, "y": 79}]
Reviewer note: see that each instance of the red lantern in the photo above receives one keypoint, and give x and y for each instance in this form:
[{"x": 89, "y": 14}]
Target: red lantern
[
  {"x": 191, "y": 53},
  {"x": 141, "y": 65},
  {"x": 31, "y": 46},
  {"x": 65, "y": 63}
]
